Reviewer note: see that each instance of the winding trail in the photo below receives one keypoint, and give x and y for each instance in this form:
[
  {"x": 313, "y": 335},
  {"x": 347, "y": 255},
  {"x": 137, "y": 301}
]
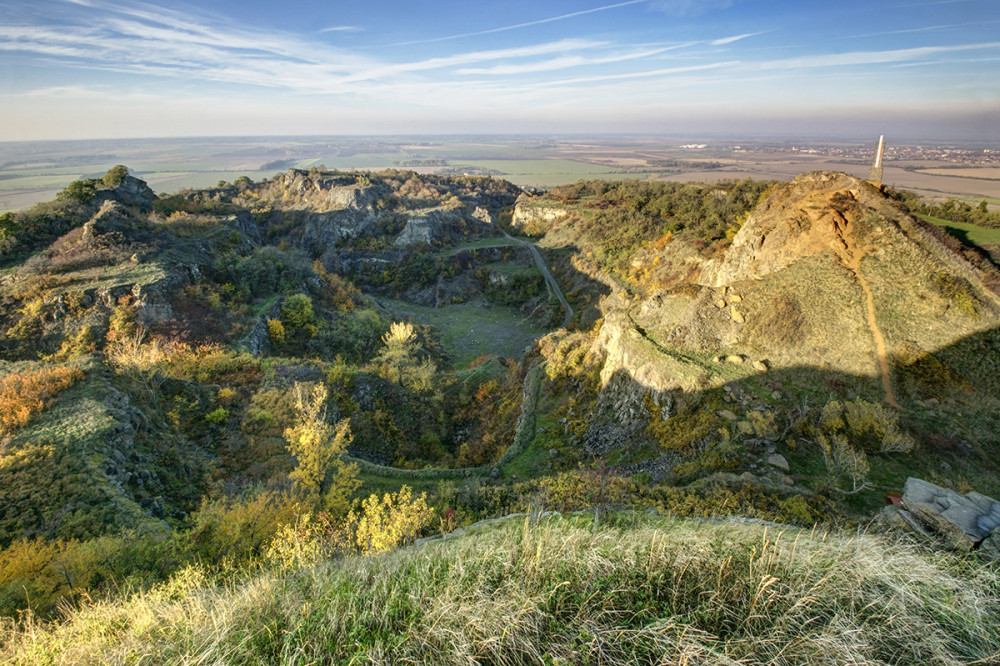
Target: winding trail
[
  {"x": 550, "y": 282},
  {"x": 525, "y": 432}
]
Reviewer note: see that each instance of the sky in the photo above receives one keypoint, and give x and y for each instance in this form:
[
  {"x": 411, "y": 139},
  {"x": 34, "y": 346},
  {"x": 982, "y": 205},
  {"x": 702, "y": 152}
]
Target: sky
[{"x": 72, "y": 69}]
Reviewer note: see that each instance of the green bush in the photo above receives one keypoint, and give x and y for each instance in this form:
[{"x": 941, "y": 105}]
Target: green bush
[{"x": 115, "y": 176}]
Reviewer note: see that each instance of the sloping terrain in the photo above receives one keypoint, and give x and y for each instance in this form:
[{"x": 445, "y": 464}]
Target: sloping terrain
[
  {"x": 192, "y": 317},
  {"x": 719, "y": 357},
  {"x": 789, "y": 352},
  {"x": 637, "y": 590}
]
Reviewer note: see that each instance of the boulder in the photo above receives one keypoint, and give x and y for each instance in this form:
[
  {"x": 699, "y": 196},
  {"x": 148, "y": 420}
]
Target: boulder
[
  {"x": 419, "y": 229},
  {"x": 778, "y": 461},
  {"x": 961, "y": 522}
]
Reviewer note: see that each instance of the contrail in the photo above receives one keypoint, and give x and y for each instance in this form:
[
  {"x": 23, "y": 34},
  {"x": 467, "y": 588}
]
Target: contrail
[{"x": 520, "y": 25}]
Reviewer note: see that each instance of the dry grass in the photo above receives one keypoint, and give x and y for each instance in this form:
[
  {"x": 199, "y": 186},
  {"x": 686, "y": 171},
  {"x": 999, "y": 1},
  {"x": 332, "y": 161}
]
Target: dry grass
[
  {"x": 25, "y": 394},
  {"x": 642, "y": 591}
]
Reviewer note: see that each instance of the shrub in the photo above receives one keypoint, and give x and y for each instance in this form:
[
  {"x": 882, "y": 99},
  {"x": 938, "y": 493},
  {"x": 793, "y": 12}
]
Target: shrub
[
  {"x": 868, "y": 425},
  {"x": 24, "y": 395},
  {"x": 392, "y": 521},
  {"x": 82, "y": 191},
  {"x": 276, "y": 331},
  {"x": 958, "y": 292},
  {"x": 115, "y": 175}
]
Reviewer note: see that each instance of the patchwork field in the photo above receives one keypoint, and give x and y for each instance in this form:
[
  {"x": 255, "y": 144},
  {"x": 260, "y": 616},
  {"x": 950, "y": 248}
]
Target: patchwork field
[{"x": 37, "y": 171}]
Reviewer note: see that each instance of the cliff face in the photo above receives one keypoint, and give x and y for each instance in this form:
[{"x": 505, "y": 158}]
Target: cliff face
[
  {"x": 825, "y": 273},
  {"x": 533, "y": 218}
]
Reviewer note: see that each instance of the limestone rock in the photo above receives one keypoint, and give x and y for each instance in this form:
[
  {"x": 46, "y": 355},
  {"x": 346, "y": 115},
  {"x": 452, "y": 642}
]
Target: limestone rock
[
  {"x": 961, "y": 522},
  {"x": 418, "y": 229},
  {"x": 778, "y": 461},
  {"x": 131, "y": 191},
  {"x": 527, "y": 214},
  {"x": 728, "y": 415}
]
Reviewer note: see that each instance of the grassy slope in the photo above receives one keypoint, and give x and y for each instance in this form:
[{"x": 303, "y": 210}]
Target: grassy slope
[
  {"x": 966, "y": 232},
  {"x": 640, "y": 590}
]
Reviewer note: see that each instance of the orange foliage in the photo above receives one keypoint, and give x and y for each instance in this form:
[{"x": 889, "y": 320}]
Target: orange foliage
[
  {"x": 662, "y": 241},
  {"x": 24, "y": 395}
]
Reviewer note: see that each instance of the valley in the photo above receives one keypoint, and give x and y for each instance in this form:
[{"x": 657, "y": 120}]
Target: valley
[{"x": 781, "y": 351}]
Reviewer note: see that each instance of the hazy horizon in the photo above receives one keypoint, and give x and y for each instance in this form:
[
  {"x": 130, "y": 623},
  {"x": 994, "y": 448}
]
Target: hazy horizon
[{"x": 98, "y": 69}]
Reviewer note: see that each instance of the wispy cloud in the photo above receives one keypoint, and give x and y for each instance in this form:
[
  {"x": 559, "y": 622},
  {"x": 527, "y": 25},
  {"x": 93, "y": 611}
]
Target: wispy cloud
[
  {"x": 871, "y": 57},
  {"x": 516, "y": 26},
  {"x": 341, "y": 28},
  {"x": 927, "y": 28},
  {"x": 564, "y": 63},
  {"x": 690, "y": 7},
  {"x": 645, "y": 73},
  {"x": 734, "y": 38}
]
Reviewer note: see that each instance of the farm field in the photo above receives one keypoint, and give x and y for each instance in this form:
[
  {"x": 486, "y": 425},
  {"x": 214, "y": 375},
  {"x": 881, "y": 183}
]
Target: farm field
[
  {"x": 31, "y": 172},
  {"x": 969, "y": 232}
]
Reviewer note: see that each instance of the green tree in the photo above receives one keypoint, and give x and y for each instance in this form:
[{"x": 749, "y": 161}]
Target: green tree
[
  {"x": 115, "y": 175},
  {"x": 318, "y": 448},
  {"x": 298, "y": 317}
]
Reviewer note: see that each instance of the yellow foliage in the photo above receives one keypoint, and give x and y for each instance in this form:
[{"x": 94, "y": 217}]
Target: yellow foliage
[
  {"x": 394, "y": 520},
  {"x": 318, "y": 447},
  {"x": 308, "y": 541},
  {"x": 276, "y": 330},
  {"x": 867, "y": 424}
]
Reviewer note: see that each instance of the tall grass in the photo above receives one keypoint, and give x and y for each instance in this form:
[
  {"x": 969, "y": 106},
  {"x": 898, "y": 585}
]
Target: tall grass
[{"x": 642, "y": 590}]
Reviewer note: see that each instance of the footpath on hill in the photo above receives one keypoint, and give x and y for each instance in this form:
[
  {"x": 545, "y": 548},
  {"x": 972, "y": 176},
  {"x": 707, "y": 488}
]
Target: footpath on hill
[{"x": 525, "y": 430}]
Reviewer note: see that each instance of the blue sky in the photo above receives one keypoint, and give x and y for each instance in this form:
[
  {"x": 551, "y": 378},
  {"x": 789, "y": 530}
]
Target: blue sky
[{"x": 106, "y": 69}]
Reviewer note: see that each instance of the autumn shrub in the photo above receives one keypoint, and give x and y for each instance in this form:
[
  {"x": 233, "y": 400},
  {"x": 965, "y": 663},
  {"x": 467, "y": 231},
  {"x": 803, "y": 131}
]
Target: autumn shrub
[
  {"x": 390, "y": 521},
  {"x": 318, "y": 447},
  {"x": 958, "y": 292},
  {"x": 23, "y": 395},
  {"x": 212, "y": 364},
  {"x": 867, "y": 425},
  {"x": 231, "y": 531}
]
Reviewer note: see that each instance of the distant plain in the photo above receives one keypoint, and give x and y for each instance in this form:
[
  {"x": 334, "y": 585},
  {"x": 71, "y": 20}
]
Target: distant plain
[{"x": 31, "y": 172}]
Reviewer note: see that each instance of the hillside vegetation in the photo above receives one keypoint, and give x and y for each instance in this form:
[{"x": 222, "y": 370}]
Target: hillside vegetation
[
  {"x": 201, "y": 392},
  {"x": 635, "y": 590}
]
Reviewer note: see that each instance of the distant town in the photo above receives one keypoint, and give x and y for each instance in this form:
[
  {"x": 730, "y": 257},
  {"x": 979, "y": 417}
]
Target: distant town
[{"x": 969, "y": 156}]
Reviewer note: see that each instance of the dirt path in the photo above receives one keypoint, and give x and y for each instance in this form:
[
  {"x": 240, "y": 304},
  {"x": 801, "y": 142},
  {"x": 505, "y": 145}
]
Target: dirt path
[
  {"x": 850, "y": 255},
  {"x": 550, "y": 282},
  {"x": 883, "y": 358}
]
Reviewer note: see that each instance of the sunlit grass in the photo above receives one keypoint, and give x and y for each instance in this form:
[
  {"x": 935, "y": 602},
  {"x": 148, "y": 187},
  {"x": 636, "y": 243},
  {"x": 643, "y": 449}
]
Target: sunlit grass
[{"x": 639, "y": 590}]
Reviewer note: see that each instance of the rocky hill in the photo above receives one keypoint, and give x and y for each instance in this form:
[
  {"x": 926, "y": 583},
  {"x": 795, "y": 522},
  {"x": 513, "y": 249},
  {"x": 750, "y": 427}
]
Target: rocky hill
[
  {"x": 790, "y": 352},
  {"x": 182, "y": 324},
  {"x": 831, "y": 317}
]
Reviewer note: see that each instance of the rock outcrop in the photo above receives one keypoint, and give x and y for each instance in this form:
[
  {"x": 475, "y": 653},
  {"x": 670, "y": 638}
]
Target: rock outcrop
[
  {"x": 959, "y": 522},
  {"x": 528, "y": 214},
  {"x": 131, "y": 191},
  {"x": 419, "y": 229}
]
